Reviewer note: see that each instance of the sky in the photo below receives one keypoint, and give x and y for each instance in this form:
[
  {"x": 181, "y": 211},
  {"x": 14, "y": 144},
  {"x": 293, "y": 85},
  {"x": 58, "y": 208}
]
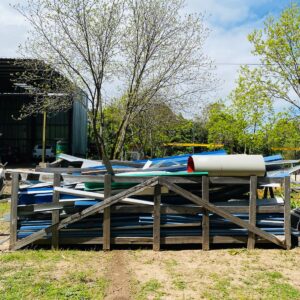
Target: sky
[{"x": 229, "y": 21}]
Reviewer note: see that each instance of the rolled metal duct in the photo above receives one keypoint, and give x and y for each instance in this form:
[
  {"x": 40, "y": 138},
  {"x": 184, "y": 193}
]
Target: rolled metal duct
[{"x": 228, "y": 165}]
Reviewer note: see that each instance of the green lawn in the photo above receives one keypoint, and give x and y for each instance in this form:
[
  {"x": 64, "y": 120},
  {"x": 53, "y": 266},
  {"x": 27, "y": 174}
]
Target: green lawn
[{"x": 45, "y": 274}]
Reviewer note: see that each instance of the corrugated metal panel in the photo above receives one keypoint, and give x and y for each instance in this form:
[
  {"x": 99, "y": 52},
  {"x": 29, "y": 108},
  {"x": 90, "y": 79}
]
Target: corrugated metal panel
[
  {"x": 80, "y": 125},
  {"x": 15, "y": 134}
]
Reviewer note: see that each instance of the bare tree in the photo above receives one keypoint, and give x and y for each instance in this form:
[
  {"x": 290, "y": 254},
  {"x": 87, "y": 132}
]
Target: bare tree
[
  {"x": 144, "y": 49},
  {"x": 79, "y": 38},
  {"x": 163, "y": 58}
]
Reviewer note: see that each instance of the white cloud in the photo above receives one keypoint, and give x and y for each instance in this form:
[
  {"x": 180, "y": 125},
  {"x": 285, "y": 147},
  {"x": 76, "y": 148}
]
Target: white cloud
[
  {"x": 228, "y": 48},
  {"x": 13, "y": 29},
  {"x": 230, "y": 22},
  {"x": 225, "y": 11}
]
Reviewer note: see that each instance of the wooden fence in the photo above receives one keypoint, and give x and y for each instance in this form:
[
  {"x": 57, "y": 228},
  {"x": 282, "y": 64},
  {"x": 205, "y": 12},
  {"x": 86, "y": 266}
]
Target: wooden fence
[{"x": 113, "y": 204}]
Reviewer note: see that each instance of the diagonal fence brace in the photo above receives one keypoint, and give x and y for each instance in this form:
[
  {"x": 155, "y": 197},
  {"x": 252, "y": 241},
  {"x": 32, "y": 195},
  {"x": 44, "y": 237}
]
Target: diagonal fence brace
[
  {"x": 86, "y": 212},
  {"x": 221, "y": 212}
]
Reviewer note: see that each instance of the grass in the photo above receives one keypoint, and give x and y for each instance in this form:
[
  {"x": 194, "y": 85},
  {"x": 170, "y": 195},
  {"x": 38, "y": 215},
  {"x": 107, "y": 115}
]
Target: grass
[
  {"x": 4, "y": 209},
  {"x": 295, "y": 198},
  {"x": 188, "y": 274},
  {"x": 257, "y": 285},
  {"x": 151, "y": 289},
  {"x": 53, "y": 275},
  {"x": 177, "y": 278}
]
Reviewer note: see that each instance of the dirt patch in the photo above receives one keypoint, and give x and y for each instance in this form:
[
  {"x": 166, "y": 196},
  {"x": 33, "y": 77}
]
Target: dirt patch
[
  {"x": 4, "y": 246},
  {"x": 216, "y": 274},
  {"x": 118, "y": 276}
]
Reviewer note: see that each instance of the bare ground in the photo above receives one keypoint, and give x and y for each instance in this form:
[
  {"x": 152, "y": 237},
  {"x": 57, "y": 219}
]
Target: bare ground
[
  {"x": 217, "y": 274},
  {"x": 119, "y": 277}
]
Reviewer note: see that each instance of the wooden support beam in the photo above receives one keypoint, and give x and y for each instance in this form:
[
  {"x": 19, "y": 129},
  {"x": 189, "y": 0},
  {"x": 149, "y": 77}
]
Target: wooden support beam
[
  {"x": 55, "y": 213},
  {"x": 221, "y": 212},
  {"x": 14, "y": 210},
  {"x": 181, "y": 209},
  {"x": 133, "y": 179},
  {"x": 287, "y": 212},
  {"x": 86, "y": 212},
  {"x": 156, "y": 218},
  {"x": 252, "y": 211},
  {"x": 205, "y": 214},
  {"x": 106, "y": 214},
  {"x": 61, "y": 170}
]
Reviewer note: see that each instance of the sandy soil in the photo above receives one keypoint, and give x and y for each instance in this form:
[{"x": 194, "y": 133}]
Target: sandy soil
[{"x": 119, "y": 277}]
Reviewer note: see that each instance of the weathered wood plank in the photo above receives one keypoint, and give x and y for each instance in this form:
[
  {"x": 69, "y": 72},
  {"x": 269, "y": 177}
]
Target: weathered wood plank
[
  {"x": 106, "y": 214},
  {"x": 252, "y": 211},
  {"x": 14, "y": 210},
  {"x": 121, "y": 179},
  {"x": 156, "y": 218},
  {"x": 173, "y": 179},
  {"x": 244, "y": 180},
  {"x": 86, "y": 212},
  {"x": 141, "y": 208},
  {"x": 178, "y": 240},
  {"x": 287, "y": 212},
  {"x": 221, "y": 212},
  {"x": 61, "y": 170},
  {"x": 127, "y": 163},
  {"x": 82, "y": 178},
  {"x": 161, "y": 226},
  {"x": 55, "y": 213},
  {"x": 180, "y": 209},
  {"x": 205, "y": 215}
]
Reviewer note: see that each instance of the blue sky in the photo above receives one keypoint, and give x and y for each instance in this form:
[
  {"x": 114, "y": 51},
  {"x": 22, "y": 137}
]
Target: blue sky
[{"x": 230, "y": 21}]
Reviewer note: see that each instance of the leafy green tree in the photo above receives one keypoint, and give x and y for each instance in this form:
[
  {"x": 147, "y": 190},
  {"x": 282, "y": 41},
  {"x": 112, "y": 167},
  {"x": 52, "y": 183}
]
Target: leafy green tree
[
  {"x": 152, "y": 128},
  {"x": 278, "y": 46},
  {"x": 243, "y": 124},
  {"x": 222, "y": 126},
  {"x": 252, "y": 108},
  {"x": 286, "y": 133}
]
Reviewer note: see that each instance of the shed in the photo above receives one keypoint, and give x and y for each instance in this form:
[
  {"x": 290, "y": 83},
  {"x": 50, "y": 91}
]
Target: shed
[{"x": 18, "y": 137}]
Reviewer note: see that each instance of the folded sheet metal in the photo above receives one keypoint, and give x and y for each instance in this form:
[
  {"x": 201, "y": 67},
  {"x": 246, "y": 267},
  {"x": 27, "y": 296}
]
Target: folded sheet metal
[{"x": 276, "y": 157}]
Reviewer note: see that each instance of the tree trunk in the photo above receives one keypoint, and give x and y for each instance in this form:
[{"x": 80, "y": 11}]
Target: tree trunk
[
  {"x": 101, "y": 147},
  {"x": 120, "y": 139}
]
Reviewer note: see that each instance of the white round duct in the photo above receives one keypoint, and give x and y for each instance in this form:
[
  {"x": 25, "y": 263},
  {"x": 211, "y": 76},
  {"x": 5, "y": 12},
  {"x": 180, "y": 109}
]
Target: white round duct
[{"x": 228, "y": 165}]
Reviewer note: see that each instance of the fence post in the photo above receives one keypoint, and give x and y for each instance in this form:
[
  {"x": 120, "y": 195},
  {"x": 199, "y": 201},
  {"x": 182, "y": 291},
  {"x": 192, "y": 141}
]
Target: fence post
[
  {"x": 55, "y": 213},
  {"x": 287, "y": 213},
  {"x": 14, "y": 210},
  {"x": 156, "y": 218},
  {"x": 106, "y": 234},
  {"x": 205, "y": 215},
  {"x": 252, "y": 211}
]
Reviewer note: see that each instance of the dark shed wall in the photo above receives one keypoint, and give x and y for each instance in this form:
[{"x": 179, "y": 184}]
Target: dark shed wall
[
  {"x": 80, "y": 126},
  {"x": 14, "y": 134},
  {"x": 59, "y": 126},
  {"x": 24, "y": 134}
]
